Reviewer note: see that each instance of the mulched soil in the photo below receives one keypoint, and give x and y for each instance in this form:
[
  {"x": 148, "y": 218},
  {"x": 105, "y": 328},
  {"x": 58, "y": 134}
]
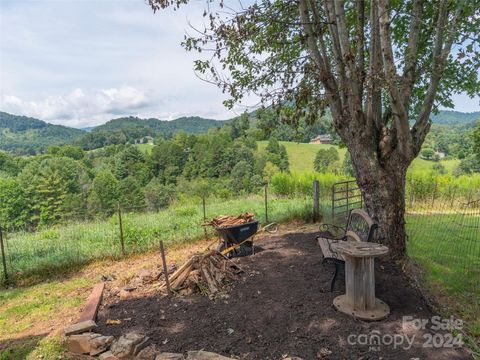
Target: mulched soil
[{"x": 279, "y": 307}]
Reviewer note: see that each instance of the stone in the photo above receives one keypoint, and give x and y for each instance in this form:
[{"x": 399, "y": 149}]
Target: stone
[
  {"x": 169, "y": 356},
  {"x": 108, "y": 356},
  {"x": 139, "y": 347},
  {"x": 293, "y": 358},
  {"x": 80, "y": 343},
  {"x": 79, "y": 328},
  {"x": 323, "y": 352},
  {"x": 148, "y": 353},
  {"x": 100, "y": 344},
  {"x": 125, "y": 295},
  {"x": 124, "y": 347},
  {"x": 148, "y": 276},
  {"x": 205, "y": 355}
]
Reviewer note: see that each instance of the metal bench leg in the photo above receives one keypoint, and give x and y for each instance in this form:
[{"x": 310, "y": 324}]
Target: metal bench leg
[{"x": 334, "y": 277}]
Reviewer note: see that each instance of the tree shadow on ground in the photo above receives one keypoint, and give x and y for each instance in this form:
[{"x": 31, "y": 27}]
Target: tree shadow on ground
[{"x": 279, "y": 307}]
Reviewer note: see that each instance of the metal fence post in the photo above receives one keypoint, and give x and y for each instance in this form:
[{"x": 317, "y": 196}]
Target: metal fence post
[
  {"x": 120, "y": 224},
  {"x": 412, "y": 192},
  {"x": 4, "y": 261},
  {"x": 316, "y": 200},
  {"x": 204, "y": 217},
  {"x": 266, "y": 203},
  {"x": 434, "y": 193}
]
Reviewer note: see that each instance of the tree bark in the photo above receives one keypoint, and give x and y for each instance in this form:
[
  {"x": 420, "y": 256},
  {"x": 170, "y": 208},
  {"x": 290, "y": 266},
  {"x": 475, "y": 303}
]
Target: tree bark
[{"x": 383, "y": 190}]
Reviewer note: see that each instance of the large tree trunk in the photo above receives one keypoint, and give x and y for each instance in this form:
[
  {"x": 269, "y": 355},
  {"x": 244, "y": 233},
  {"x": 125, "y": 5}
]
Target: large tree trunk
[{"x": 383, "y": 189}]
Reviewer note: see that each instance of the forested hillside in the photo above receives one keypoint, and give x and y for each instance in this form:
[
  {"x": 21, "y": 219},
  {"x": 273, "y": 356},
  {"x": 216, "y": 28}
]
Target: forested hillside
[
  {"x": 27, "y": 136},
  {"x": 450, "y": 117},
  {"x": 70, "y": 183},
  {"x": 134, "y": 129}
]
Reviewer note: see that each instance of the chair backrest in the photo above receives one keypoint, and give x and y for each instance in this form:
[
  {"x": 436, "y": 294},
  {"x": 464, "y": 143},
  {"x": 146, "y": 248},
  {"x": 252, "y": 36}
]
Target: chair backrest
[{"x": 360, "y": 226}]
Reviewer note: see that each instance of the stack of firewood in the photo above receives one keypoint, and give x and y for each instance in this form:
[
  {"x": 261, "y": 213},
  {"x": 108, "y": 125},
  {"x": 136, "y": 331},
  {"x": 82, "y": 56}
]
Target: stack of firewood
[
  {"x": 222, "y": 221},
  {"x": 209, "y": 273}
]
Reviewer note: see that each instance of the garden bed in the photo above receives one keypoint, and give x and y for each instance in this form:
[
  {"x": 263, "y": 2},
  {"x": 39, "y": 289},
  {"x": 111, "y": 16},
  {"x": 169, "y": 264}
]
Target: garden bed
[{"x": 277, "y": 308}]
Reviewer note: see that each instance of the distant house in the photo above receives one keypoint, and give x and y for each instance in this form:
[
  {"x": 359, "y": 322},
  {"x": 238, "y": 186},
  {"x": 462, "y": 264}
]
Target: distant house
[
  {"x": 322, "y": 139},
  {"x": 144, "y": 140},
  {"x": 440, "y": 154}
]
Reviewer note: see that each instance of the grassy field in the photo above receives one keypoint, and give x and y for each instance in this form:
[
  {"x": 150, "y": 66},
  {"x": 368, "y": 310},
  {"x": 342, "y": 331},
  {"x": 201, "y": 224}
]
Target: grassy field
[
  {"x": 62, "y": 248},
  {"x": 145, "y": 148},
  {"x": 301, "y": 157},
  {"x": 448, "y": 249}
]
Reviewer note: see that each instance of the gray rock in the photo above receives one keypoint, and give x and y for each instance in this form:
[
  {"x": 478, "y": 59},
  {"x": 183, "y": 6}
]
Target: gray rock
[
  {"x": 80, "y": 343},
  {"x": 100, "y": 344},
  {"x": 80, "y": 327},
  {"x": 205, "y": 355},
  {"x": 148, "y": 353},
  {"x": 108, "y": 356},
  {"x": 125, "y": 346},
  {"x": 169, "y": 356}
]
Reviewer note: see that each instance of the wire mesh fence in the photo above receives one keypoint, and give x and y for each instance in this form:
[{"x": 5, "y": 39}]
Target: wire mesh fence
[
  {"x": 127, "y": 230},
  {"x": 445, "y": 238},
  {"x": 444, "y": 232}
]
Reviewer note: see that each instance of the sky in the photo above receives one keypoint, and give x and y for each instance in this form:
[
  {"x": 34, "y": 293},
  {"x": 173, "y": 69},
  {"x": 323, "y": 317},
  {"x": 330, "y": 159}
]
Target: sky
[{"x": 81, "y": 63}]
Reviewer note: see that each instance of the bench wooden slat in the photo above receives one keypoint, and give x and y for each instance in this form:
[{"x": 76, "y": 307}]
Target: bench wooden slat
[{"x": 325, "y": 247}]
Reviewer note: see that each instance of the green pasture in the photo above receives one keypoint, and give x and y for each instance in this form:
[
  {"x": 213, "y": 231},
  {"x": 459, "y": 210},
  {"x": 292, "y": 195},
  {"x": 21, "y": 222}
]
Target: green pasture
[
  {"x": 447, "y": 246},
  {"x": 302, "y": 155}
]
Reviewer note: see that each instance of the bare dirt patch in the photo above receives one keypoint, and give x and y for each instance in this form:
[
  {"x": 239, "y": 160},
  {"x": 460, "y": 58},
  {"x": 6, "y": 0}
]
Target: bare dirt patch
[{"x": 278, "y": 307}]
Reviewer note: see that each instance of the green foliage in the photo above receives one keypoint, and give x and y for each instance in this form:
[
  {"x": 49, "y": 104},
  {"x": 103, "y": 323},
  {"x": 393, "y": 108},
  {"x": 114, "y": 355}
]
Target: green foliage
[
  {"x": 28, "y": 136},
  {"x": 476, "y": 141},
  {"x": 300, "y": 184},
  {"x": 282, "y": 126},
  {"x": 277, "y": 154},
  {"x": 130, "y": 162},
  {"x": 469, "y": 165},
  {"x": 157, "y": 195},
  {"x": 439, "y": 168},
  {"x": 134, "y": 130},
  {"x": 52, "y": 193},
  {"x": 104, "y": 195},
  {"x": 131, "y": 195},
  {"x": 13, "y": 212},
  {"x": 325, "y": 159},
  {"x": 347, "y": 165},
  {"x": 70, "y": 151},
  {"x": 449, "y": 117},
  {"x": 427, "y": 153}
]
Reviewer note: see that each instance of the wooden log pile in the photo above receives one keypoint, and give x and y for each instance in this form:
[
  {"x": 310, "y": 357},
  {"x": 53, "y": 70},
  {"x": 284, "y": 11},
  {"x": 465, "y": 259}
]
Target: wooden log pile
[
  {"x": 222, "y": 221},
  {"x": 207, "y": 273}
]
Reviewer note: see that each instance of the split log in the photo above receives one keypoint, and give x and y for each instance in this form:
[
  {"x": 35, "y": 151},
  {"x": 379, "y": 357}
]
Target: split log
[
  {"x": 228, "y": 220},
  {"x": 209, "y": 271}
]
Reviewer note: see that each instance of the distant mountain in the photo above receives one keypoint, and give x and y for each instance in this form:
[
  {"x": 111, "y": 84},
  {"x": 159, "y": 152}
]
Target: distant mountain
[
  {"x": 133, "y": 129},
  {"x": 450, "y": 117},
  {"x": 192, "y": 125},
  {"x": 25, "y": 135}
]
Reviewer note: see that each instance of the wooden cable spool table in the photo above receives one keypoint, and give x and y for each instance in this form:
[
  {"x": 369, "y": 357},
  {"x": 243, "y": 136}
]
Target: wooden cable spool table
[{"x": 359, "y": 299}]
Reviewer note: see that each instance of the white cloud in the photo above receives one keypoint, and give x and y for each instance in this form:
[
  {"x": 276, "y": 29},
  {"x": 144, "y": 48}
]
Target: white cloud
[{"x": 80, "y": 108}]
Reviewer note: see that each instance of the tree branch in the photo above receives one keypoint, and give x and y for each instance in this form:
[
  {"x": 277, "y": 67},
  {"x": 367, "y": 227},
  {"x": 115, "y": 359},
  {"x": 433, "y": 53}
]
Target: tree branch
[
  {"x": 411, "y": 52},
  {"x": 400, "y": 117},
  {"x": 441, "y": 50}
]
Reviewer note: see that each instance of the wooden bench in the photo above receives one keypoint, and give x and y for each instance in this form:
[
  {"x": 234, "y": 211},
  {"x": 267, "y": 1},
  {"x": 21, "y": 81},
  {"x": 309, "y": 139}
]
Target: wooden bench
[{"x": 359, "y": 227}]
